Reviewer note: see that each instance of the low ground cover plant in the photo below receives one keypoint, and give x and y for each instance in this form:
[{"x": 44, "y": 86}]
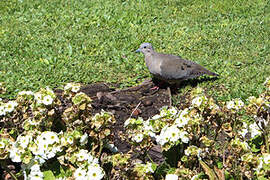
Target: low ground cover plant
[{"x": 204, "y": 139}]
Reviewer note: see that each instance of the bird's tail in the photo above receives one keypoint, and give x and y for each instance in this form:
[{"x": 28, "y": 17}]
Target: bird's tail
[{"x": 211, "y": 73}]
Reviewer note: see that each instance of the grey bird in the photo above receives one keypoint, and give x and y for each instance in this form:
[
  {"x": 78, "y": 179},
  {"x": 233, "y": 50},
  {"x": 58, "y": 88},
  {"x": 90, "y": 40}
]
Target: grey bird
[{"x": 170, "y": 68}]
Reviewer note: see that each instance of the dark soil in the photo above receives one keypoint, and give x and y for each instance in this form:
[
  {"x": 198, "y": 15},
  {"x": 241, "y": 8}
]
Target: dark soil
[{"x": 138, "y": 101}]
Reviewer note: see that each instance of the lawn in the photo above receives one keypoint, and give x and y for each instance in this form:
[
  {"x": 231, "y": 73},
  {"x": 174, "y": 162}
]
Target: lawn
[{"x": 50, "y": 43}]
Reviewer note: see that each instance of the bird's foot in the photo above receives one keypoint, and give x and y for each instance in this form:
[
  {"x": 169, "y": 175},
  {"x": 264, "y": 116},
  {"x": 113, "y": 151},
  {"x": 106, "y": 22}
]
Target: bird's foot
[{"x": 154, "y": 88}]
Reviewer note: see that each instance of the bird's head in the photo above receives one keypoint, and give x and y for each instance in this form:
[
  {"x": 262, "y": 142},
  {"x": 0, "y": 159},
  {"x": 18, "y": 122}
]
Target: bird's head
[{"x": 145, "y": 48}]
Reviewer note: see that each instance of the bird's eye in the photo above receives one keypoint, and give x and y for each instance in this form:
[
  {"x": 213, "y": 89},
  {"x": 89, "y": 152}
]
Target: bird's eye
[{"x": 144, "y": 47}]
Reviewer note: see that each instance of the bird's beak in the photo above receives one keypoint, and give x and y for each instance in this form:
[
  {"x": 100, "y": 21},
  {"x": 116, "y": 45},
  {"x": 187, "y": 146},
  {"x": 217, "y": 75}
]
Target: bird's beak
[{"x": 137, "y": 51}]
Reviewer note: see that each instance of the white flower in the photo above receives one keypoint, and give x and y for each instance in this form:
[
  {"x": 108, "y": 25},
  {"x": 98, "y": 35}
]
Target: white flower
[
  {"x": 191, "y": 150},
  {"x": 84, "y": 139},
  {"x": 187, "y": 151},
  {"x": 161, "y": 140},
  {"x": 27, "y": 93},
  {"x": 95, "y": 172},
  {"x": 50, "y": 154},
  {"x": 92, "y": 160},
  {"x": 2, "y": 145},
  {"x": 157, "y": 116},
  {"x": 148, "y": 128},
  {"x": 75, "y": 88},
  {"x": 171, "y": 133},
  {"x": 214, "y": 106},
  {"x": 182, "y": 121},
  {"x": 10, "y": 106},
  {"x": 230, "y": 104},
  {"x": 199, "y": 154},
  {"x": 32, "y": 122},
  {"x": 138, "y": 138},
  {"x": 244, "y": 131},
  {"x": 82, "y": 155},
  {"x": 174, "y": 133},
  {"x": 183, "y": 118},
  {"x": 47, "y": 100},
  {"x": 163, "y": 112},
  {"x": 52, "y": 151},
  {"x": 33, "y": 148},
  {"x": 266, "y": 158},
  {"x": 80, "y": 174},
  {"x": 196, "y": 177},
  {"x": 184, "y": 136},
  {"x": 41, "y": 148},
  {"x": 2, "y": 111},
  {"x": 254, "y": 130},
  {"x": 265, "y": 82},
  {"x": 45, "y": 146},
  {"x": 14, "y": 154},
  {"x": 149, "y": 168},
  {"x": 35, "y": 168},
  {"x": 259, "y": 167},
  {"x": 172, "y": 111},
  {"x": 70, "y": 140},
  {"x": 24, "y": 140},
  {"x": 197, "y": 101},
  {"x": 68, "y": 86},
  {"x": 164, "y": 136},
  {"x": 50, "y": 137},
  {"x": 38, "y": 97},
  {"x": 184, "y": 112},
  {"x": 251, "y": 99},
  {"x": 40, "y": 160},
  {"x": 245, "y": 146},
  {"x": 235, "y": 104},
  {"x": 49, "y": 91},
  {"x": 171, "y": 177},
  {"x": 239, "y": 104},
  {"x": 127, "y": 122},
  {"x": 36, "y": 175}
]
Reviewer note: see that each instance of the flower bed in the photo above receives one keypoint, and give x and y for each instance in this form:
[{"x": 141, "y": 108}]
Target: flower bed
[{"x": 203, "y": 139}]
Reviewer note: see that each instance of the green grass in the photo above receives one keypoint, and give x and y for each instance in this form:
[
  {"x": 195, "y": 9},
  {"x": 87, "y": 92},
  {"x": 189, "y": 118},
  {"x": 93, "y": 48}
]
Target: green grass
[{"x": 50, "y": 43}]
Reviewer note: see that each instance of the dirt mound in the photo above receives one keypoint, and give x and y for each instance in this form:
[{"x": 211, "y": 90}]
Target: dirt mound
[{"x": 138, "y": 101}]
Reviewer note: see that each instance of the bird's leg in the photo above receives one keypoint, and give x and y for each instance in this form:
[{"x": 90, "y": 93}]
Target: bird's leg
[
  {"x": 170, "y": 96},
  {"x": 156, "y": 87},
  {"x": 158, "y": 84}
]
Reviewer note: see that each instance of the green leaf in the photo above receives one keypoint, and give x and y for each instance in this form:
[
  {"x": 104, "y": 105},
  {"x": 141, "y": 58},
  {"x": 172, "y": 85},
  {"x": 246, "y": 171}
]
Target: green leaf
[
  {"x": 48, "y": 175},
  {"x": 211, "y": 174},
  {"x": 220, "y": 165}
]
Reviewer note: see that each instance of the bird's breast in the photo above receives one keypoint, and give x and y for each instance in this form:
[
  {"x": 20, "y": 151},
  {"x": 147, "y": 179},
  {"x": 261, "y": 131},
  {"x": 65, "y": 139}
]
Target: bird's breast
[{"x": 153, "y": 65}]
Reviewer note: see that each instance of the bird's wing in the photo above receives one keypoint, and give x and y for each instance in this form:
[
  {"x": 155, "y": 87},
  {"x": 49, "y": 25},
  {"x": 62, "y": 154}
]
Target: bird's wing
[{"x": 174, "y": 67}]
